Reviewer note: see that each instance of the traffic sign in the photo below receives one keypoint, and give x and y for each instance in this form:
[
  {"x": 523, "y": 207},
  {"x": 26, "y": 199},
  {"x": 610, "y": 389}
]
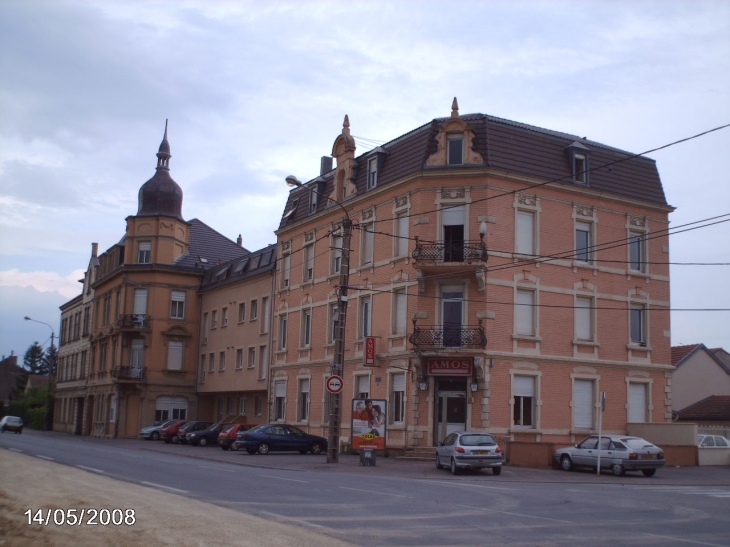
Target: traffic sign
[{"x": 335, "y": 384}]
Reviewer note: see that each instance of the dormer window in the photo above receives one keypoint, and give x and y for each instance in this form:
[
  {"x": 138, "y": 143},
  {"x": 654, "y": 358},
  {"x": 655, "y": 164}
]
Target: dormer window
[
  {"x": 372, "y": 173},
  {"x": 456, "y": 149},
  {"x": 291, "y": 210},
  {"x": 579, "y": 169},
  {"x": 312, "y": 200},
  {"x": 578, "y": 155}
]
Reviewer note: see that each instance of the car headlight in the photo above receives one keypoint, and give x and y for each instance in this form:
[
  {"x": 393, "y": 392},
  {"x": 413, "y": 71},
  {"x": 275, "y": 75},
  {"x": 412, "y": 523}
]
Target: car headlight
[{"x": 193, "y": 434}]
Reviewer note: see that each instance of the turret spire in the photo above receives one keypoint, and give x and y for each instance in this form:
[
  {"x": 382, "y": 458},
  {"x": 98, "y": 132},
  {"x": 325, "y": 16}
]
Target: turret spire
[{"x": 163, "y": 154}]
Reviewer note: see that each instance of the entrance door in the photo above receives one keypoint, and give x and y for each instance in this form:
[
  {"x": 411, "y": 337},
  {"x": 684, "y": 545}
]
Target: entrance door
[
  {"x": 453, "y": 223},
  {"x": 450, "y": 408}
]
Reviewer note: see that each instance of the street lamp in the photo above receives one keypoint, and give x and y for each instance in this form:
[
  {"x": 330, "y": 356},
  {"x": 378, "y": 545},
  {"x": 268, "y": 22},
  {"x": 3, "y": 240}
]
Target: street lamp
[
  {"x": 51, "y": 374},
  {"x": 338, "y": 365}
]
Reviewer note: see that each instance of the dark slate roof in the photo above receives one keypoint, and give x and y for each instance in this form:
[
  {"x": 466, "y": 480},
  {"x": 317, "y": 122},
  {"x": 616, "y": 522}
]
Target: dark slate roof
[
  {"x": 713, "y": 408},
  {"x": 209, "y": 248},
  {"x": 253, "y": 264},
  {"x": 507, "y": 146},
  {"x": 160, "y": 196}
]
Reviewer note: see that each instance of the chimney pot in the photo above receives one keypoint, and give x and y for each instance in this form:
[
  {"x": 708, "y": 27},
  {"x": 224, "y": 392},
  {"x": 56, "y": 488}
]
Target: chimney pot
[
  {"x": 94, "y": 249},
  {"x": 325, "y": 166},
  {"x": 239, "y": 241}
]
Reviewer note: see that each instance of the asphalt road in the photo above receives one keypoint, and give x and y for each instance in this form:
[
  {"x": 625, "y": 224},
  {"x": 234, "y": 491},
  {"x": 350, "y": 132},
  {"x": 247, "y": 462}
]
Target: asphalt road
[{"x": 412, "y": 504}]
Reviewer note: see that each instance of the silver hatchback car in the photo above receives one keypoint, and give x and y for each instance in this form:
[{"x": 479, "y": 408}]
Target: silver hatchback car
[
  {"x": 619, "y": 453},
  {"x": 469, "y": 450}
]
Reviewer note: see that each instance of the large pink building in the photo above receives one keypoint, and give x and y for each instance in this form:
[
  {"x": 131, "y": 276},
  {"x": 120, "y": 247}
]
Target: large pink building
[{"x": 508, "y": 274}]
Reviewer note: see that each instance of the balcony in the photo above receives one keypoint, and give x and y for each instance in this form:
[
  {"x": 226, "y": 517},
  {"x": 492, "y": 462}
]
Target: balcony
[
  {"x": 439, "y": 337},
  {"x": 134, "y": 321},
  {"x": 128, "y": 373},
  {"x": 443, "y": 257}
]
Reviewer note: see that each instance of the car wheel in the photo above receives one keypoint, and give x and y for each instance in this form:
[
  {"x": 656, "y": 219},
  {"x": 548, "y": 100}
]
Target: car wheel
[
  {"x": 223, "y": 447},
  {"x": 251, "y": 450},
  {"x": 618, "y": 470},
  {"x": 175, "y": 440},
  {"x": 438, "y": 463},
  {"x": 263, "y": 448},
  {"x": 497, "y": 470},
  {"x": 155, "y": 436},
  {"x": 648, "y": 472},
  {"x": 316, "y": 448},
  {"x": 234, "y": 446},
  {"x": 454, "y": 469},
  {"x": 203, "y": 442},
  {"x": 168, "y": 441},
  {"x": 566, "y": 463}
]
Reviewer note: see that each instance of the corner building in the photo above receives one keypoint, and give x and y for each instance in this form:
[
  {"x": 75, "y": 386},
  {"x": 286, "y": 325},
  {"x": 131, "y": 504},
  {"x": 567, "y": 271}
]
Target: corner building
[{"x": 509, "y": 274}]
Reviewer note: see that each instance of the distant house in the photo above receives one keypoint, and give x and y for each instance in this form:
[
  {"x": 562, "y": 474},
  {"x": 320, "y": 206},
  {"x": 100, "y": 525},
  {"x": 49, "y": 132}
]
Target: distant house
[
  {"x": 36, "y": 380},
  {"x": 9, "y": 372},
  {"x": 700, "y": 374}
]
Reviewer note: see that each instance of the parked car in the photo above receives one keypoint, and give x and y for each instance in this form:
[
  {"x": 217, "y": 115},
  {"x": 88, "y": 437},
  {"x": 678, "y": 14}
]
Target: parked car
[
  {"x": 152, "y": 432},
  {"x": 204, "y": 437},
  {"x": 275, "y": 437},
  {"x": 191, "y": 426},
  {"x": 469, "y": 450},
  {"x": 227, "y": 436},
  {"x": 169, "y": 433},
  {"x": 712, "y": 440},
  {"x": 11, "y": 423},
  {"x": 619, "y": 453}
]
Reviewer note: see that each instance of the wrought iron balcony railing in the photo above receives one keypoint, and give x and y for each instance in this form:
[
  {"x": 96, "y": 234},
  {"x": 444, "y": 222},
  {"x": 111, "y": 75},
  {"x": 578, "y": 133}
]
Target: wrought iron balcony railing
[
  {"x": 134, "y": 321},
  {"x": 128, "y": 373},
  {"x": 441, "y": 251},
  {"x": 444, "y": 337}
]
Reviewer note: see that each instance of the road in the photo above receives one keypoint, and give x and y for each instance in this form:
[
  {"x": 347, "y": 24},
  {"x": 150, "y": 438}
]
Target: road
[{"x": 386, "y": 507}]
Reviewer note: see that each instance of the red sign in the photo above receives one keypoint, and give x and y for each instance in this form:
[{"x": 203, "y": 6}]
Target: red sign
[
  {"x": 334, "y": 384},
  {"x": 369, "y": 351},
  {"x": 450, "y": 366}
]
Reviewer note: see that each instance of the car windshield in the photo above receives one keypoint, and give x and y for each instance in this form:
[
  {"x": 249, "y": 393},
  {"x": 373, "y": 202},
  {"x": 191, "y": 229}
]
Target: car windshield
[
  {"x": 256, "y": 429},
  {"x": 637, "y": 443},
  {"x": 13, "y": 419},
  {"x": 477, "y": 440},
  {"x": 227, "y": 428},
  {"x": 168, "y": 423}
]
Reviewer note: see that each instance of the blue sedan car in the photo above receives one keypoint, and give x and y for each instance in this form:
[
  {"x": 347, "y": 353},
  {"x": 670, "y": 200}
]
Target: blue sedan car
[{"x": 279, "y": 437}]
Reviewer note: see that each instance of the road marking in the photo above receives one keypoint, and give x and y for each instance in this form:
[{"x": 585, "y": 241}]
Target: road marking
[
  {"x": 15, "y": 450},
  {"x": 281, "y": 478},
  {"x": 45, "y": 458},
  {"x": 452, "y": 483},
  {"x": 163, "y": 487},
  {"x": 217, "y": 469},
  {"x": 169, "y": 461},
  {"x": 374, "y": 492},
  {"x": 99, "y": 471},
  {"x": 514, "y": 514},
  {"x": 718, "y": 495},
  {"x": 672, "y": 538}
]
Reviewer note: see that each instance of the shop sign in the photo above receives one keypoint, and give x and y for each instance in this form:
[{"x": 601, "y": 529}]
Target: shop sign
[
  {"x": 369, "y": 353},
  {"x": 450, "y": 366}
]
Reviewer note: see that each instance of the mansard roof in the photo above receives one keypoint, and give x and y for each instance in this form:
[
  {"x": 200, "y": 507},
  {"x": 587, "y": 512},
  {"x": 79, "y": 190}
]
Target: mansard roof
[
  {"x": 209, "y": 248},
  {"x": 253, "y": 264}
]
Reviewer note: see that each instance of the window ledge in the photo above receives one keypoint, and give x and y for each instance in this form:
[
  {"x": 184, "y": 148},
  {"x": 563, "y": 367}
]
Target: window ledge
[
  {"x": 586, "y": 265},
  {"x": 527, "y": 337},
  {"x": 518, "y": 429},
  {"x": 638, "y": 347},
  {"x": 586, "y": 343},
  {"x": 397, "y": 336}
]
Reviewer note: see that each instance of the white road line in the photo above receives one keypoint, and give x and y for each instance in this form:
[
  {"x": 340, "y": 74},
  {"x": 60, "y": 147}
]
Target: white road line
[
  {"x": 489, "y": 509},
  {"x": 718, "y": 495},
  {"x": 672, "y": 538},
  {"x": 45, "y": 458},
  {"x": 99, "y": 471},
  {"x": 374, "y": 492},
  {"x": 456, "y": 483},
  {"x": 163, "y": 487},
  {"x": 282, "y": 478},
  {"x": 15, "y": 450},
  {"x": 217, "y": 469},
  {"x": 169, "y": 461}
]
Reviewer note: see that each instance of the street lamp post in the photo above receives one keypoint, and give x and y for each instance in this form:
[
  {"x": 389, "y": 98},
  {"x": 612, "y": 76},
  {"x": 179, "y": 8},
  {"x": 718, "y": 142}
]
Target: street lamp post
[
  {"x": 338, "y": 365},
  {"x": 51, "y": 375}
]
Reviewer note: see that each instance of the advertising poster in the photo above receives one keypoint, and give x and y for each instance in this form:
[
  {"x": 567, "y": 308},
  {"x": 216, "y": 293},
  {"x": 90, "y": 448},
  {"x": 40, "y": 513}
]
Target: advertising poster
[{"x": 368, "y": 423}]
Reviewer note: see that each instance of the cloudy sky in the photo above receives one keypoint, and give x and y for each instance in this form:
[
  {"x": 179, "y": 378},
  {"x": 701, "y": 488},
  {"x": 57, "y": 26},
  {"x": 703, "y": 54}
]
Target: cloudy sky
[{"x": 255, "y": 91}]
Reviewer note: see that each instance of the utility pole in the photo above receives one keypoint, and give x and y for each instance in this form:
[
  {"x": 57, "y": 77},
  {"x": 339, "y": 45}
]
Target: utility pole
[{"x": 338, "y": 365}]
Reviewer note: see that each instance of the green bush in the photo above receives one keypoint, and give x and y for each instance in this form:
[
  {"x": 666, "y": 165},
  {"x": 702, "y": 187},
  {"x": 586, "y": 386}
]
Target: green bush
[{"x": 36, "y": 418}]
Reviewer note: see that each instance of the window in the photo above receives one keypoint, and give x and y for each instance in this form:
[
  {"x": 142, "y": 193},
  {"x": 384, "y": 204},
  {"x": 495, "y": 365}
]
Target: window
[
  {"x": 251, "y": 357},
  {"x": 365, "y": 316},
  {"x": 241, "y": 312},
  {"x": 638, "y": 324},
  {"x": 279, "y": 400},
  {"x": 174, "y": 355},
  {"x": 336, "y": 254},
  {"x": 367, "y": 244},
  {"x": 306, "y": 328},
  {"x": 214, "y": 319},
  {"x": 140, "y": 304},
  {"x": 303, "y": 410},
  {"x": 239, "y": 359},
  {"x": 579, "y": 169},
  {"x": 242, "y": 406},
  {"x": 265, "y": 308},
  {"x": 206, "y": 326},
  {"x": 637, "y": 402},
  {"x": 400, "y": 307},
  {"x": 312, "y": 200},
  {"x": 211, "y": 362},
  {"x": 372, "y": 173},
  {"x": 283, "y": 319},
  {"x": 584, "y": 319},
  {"x": 263, "y": 359},
  {"x": 285, "y": 271},
  {"x": 143, "y": 252},
  {"x": 258, "y": 406},
  {"x": 583, "y": 241},
  {"x": 452, "y": 314},
  {"x": 455, "y": 149},
  {"x": 362, "y": 383},
  {"x": 583, "y": 404},
  {"x": 401, "y": 231},
  {"x": 636, "y": 251},
  {"x": 525, "y": 233},
  {"x": 308, "y": 262},
  {"x": 177, "y": 306},
  {"x": 136, "y": 354},
  {"x": 224, "y": 317},
  {"x": 334, "y": 316},
  {"x": 398, "y": 397},
  {"x": 222, "y": 361},
  {"x": 254, "y": 309},
  {"x": 523, "y": 393},
  {"x": 525, "y": 313}
]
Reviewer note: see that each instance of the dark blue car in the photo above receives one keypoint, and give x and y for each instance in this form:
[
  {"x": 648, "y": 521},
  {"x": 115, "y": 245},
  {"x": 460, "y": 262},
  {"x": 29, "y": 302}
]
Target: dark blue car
[{"x": 279, "y": 437}]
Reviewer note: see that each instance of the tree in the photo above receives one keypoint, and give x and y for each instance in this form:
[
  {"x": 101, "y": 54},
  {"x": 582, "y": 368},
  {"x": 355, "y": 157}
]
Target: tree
[
  {"x": 32, "y": 360},
  {"x": 49, "y": 362}
]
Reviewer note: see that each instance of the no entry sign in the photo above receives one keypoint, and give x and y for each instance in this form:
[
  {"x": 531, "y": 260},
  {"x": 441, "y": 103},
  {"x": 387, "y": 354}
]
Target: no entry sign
[{"x": 334, "y": 384}]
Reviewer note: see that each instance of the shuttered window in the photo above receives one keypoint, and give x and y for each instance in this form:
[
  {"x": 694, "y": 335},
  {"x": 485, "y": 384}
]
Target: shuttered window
[
  {"x": 525, "y": 233},
  {"x": 583, "y": 406},
  {"x": 174, "y": 355},
  {"x": 637, "y": 402}
]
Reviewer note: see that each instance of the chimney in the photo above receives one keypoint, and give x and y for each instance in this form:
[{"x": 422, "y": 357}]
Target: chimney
[
  {"x": 325, "y": 166},
  {"x": 94, "y": 249},
  {"x": 239, "y": 241}
]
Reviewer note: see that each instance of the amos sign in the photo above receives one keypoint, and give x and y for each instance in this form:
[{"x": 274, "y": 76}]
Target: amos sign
[{"x": 462, "y": 366}]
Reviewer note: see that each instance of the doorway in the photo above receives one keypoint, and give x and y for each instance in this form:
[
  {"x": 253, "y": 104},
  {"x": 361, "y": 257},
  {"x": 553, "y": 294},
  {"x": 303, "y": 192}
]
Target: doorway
[{"x": 450, "y": 407}]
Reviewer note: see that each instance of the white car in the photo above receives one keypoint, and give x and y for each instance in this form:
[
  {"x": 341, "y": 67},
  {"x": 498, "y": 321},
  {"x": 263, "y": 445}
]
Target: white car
[
  {"x": 715, "y": 441},
  {"x": 469, "y": 450},
  {"x": 619, "y": 453}
]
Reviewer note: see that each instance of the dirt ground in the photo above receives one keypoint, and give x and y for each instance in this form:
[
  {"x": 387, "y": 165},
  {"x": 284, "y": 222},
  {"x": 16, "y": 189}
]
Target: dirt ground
[{"x": 160, "y": 518}]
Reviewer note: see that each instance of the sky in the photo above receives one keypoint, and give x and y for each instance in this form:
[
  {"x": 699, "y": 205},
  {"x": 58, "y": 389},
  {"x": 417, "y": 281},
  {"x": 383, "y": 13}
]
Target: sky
[{"x": 255, "y": 91}]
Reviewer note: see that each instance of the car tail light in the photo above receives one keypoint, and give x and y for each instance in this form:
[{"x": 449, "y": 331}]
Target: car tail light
[
  {"x": 459, "y": 450},
  {"x": 499, "y": 450},
  {"x": 633, "y": 456},
  {"x": 245, "y": 437},
  {"x": 660, "y": 455}
]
